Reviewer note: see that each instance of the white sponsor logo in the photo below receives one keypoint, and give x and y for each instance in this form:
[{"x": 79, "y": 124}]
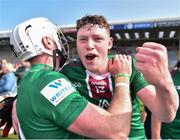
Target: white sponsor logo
[
  {"x": 57, "y": 90},
  {"x": 102, "y": 83}
]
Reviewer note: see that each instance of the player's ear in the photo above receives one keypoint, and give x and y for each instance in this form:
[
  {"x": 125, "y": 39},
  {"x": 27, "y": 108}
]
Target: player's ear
[
  {"x": 110, "y": 43},
  {"x": 48, "y": 43}
]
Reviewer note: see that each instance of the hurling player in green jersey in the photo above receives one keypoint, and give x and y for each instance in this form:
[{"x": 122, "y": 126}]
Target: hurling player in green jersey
[
  {"x": 169, "y": 130},
  {"x": 48, "y": 106},
  {"x": 91, "y": 77}
]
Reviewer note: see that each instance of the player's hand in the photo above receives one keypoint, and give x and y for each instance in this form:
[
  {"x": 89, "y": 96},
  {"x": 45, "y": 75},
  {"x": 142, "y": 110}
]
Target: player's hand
[
  {"x": 152, "y": 62},
  {"x": 120, "y": 64}
]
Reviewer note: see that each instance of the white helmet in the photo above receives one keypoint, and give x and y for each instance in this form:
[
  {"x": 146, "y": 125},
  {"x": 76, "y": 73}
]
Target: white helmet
[{"x": 26, "y": 38}]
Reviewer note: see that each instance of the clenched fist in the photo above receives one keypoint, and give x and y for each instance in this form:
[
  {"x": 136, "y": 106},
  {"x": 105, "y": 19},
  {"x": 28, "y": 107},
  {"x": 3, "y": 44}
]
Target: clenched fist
[{"x": 152, "y": 62}]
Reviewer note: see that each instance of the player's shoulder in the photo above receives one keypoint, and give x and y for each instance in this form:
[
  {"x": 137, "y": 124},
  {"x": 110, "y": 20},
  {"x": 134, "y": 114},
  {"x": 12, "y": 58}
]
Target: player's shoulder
[
  {"x": 73, "y": 65},
  {"x": 48, "y": 75}
]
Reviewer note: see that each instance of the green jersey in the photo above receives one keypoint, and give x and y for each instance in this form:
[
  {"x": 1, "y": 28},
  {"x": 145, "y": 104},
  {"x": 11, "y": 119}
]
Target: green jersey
[
  {"x": 172, "y": 130},
  {"x": 47, "y": 104},
  {"x": 98, "y": 89}
]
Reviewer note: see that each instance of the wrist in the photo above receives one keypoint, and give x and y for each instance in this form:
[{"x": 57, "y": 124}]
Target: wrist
[
  {"x": 121, "y": 80},
  {"x": 122, "y": 84},
  {"x": 122, "y": 75},
  {"x": 165, "y": 81}
]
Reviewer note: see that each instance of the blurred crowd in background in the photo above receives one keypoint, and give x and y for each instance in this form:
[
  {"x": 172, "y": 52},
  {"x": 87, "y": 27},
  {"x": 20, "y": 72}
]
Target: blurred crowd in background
[{"x": 10, "y": 75}]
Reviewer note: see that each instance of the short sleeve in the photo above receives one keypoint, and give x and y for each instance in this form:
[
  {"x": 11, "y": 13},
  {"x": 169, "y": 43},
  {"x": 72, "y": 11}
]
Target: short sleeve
[
  {"x": 63, "y": 100},
  {"x": 137, "y": 79}
]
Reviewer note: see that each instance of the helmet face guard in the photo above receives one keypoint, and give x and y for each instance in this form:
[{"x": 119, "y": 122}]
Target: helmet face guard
[
  {"x": 62, "y": 51},
  {"x": 62, "y": 59},
  {"x": 26, "y": 38}
]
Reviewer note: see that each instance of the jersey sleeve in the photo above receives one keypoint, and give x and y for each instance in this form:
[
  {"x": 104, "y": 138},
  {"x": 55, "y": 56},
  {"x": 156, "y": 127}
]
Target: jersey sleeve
[
  {"x": 63, "y": 100},
  {"x": 69, "y": 109},
  {"x": 137, "y": 79}
]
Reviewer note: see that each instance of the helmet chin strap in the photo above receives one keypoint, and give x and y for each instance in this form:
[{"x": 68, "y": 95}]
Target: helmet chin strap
[{"x": 58, "y": 63}]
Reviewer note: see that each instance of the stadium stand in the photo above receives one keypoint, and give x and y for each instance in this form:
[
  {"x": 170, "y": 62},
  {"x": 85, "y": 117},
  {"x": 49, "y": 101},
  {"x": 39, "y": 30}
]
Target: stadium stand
[{"x": 127, "y": 36}]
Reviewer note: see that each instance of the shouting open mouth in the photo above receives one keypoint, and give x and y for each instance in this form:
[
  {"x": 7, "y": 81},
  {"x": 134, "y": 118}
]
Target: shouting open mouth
[{"x": 90, "y": 57}]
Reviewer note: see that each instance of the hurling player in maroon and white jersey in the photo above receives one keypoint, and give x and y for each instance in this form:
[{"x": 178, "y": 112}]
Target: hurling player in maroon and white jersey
[{"x": 160, "y": 96}]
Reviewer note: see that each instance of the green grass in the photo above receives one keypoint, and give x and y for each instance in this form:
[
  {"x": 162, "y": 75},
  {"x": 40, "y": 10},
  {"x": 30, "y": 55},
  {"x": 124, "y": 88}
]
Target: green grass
[{"x": 10, "y": 136}]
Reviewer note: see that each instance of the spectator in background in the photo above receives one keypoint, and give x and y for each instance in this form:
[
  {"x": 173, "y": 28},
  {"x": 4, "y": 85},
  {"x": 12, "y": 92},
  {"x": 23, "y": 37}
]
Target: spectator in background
[
  {"x": 2, "y": 63},
  {"x": 5, "y": 115},
  {"x": 172, "y": 130},
  {"x": 22, "y": 68},
  {"x": 8, "y": 81},
  {"x": 8, "y": 87}
]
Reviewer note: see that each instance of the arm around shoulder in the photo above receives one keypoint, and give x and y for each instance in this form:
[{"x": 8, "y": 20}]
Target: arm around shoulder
[{"x": 95, "y": 122}]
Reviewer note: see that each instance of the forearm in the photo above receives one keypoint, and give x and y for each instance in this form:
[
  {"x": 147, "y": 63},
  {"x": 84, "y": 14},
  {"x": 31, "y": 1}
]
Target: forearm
[
  {"x": 121, "y": 105},
  {"x": 115, "y": 121},
  {"x": 152, "y": 62},
  {"x": 167, "y": 96},
  {"x": 155, "y": 128},
  {"x": 14, "y": 117},
  {"x": 104, "y": 125},
  {"x": 121, "y": 102}
]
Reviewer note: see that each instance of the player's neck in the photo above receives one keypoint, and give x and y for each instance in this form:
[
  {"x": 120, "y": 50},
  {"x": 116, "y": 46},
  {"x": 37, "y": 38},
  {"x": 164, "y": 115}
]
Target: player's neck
[{"x": 42, "y": 59}]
